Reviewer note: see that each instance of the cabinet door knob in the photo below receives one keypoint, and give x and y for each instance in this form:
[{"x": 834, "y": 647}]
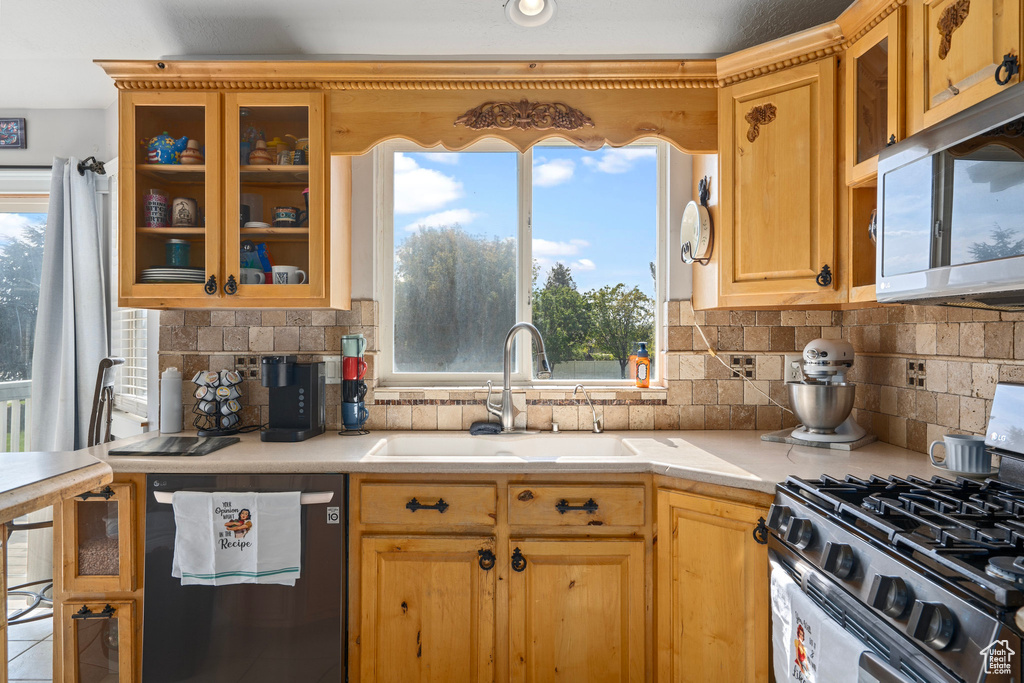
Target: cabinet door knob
[
  {"x": 211, "y": 285},
  {"x": 486, "y": 560},
  {"x": 824, "y": 278},
  {"x": 1007, "y": 69},
  {"x": 518, "y": 561},
  {"x": 230, "y": 287}
]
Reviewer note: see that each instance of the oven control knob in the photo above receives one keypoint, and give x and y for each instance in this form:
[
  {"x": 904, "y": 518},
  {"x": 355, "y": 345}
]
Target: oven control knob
[
  {"x": 932, "y": 623},
  {"x": 778, "y": 517},
  {"x": 837, "y": 559},
  {"x": 799, "y": 532},
  {"x": 889, "y": 594}
]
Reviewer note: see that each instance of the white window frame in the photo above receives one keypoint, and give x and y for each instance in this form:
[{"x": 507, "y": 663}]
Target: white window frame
[{"x": 385, "y": 281}]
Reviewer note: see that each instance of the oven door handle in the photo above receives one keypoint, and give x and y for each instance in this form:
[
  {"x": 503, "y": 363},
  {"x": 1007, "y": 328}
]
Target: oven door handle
[{"x": 314, "y": 498}]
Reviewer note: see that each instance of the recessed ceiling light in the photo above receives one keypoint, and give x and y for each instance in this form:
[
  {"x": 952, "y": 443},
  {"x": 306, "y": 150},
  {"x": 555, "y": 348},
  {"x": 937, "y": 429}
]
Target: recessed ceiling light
[{"x": 529, "y": 13}]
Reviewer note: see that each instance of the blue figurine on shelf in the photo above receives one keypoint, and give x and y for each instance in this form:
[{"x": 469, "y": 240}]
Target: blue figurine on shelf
[{"x": 163, "y": 149}]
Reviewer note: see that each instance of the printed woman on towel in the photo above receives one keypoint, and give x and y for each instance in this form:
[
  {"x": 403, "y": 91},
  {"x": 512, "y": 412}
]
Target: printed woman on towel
[{"x": 241, "y": 525}]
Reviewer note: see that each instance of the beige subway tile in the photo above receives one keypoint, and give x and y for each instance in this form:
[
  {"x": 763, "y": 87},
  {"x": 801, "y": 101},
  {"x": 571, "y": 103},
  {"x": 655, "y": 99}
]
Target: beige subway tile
[
  {"x": 641, "y": 417},
  {"x": 947, "y": 410},
  {"x": 730, "y": 391},
  {"x": 686, "y": 315},
  {"x": 273, "y": 319},
  {"x": 887, "y": 400},
  {"x": 538, "y": 418},
  {"x": 311, "y": 339},
  {"x": 666, "y": 417},
  {"x": 730, "y": 338},
  {"x": 898, "y": 431},
  {"x": 805, "y": 335},
  {"x": 717, "y": 417},
  {"x": 769, "y": 318},
  {"x": 424, "y": 417},
  {"x": 937, "y": 378},
  {"x": 743, "y": 318},
  {"x": 691, "y": 367},
  {"x": 959, "y": 378},
  {"x": 449, "y": 418},
  {"x": 172, "y": 318},
  {"x": 972, "y": 340},
  {"x": 616, "y": 418},
  {"x": 353, "y": 317},
  {"x": 717, "y": 318},
  {"x": 947, "y": 339},
  {"x": 999, "y": 340},
  {"x": 473, "y": 413},
  {"x": 680, "y": 338},
  {"x": 236, "y": 338},
  {"x": 926, "y": 408},
  {"x": 197, "y": 318},
  {"x": 769, "y": 418},
  {"x": 833, "y": 332},
  {"x": 984, "y": 377},
  {"x": 298, "y": 318},
  {"x": 712, "y": 338},
  {"x": 567, "y": 417},
  {"x": 367, "y": 312},
  {"x": 672, "y": 313},
  {"x": 820, "y": 318},
  {"x": 756, "y": 338},
  {"x": 669, "y": 365},
  {"x": 680, "y": 392},
  {"x": 925, "y": 338},
  {"x": 210, "y": 339},
  {"x": 324, "y": 319},
  {"x": 286, "y": 339},
  {"x": 1018, "y": 341},
  {"x": 935, "y": 432},
  {"x": 767, "y": 367},
  {"x": 782, "y": 339},
  {"x": 743, "y": 417},
  {"x": 399, "y": 417},
  {"x": 222, "y": 318},
  {"x": 794, "y": 318}
]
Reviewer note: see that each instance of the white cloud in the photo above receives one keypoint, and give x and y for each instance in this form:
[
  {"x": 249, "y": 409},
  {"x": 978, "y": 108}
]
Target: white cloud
[
  {"x": 620, "y": 160},
  {"x": 554, "y": 172},
  {"x": 544, "y": 248},
  {"x": 419, "y": 189},
  {"x": 434, "y": 220},
  {"x": 583, "y": 264},
  {"x": 446, "y": 158},
  {"x": 13, "y": 224}
]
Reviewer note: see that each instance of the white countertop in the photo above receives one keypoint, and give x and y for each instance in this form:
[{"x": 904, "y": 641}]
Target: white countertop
[
  {"x": 30, "y": 481},
  {"x": 728, "y": 458}
]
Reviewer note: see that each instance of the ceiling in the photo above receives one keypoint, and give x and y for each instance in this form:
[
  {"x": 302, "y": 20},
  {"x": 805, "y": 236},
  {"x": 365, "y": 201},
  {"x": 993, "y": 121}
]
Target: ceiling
[{"x": 48, "y": 45}]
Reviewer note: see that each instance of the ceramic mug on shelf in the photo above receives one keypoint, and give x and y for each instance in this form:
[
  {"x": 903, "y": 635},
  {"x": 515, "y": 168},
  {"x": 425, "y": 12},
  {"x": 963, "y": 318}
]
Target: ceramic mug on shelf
[
  {"x": 964, "y": 453},
  {"x": 288, "y": 275},
  {"x": 286, "y": 216},
  {"x": 184, "y": 212},
  {"x": 353, "y": 367},
  {"x": 353, "y": 390},
  {"x": 354, "y": 415},
  {"x": 353, "y": 345},
  {"x": 251, "y": 276}
]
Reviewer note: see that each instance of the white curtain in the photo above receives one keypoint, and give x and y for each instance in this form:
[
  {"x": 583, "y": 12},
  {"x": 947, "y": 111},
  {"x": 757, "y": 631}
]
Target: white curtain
[{"x": 74, "y": 318}]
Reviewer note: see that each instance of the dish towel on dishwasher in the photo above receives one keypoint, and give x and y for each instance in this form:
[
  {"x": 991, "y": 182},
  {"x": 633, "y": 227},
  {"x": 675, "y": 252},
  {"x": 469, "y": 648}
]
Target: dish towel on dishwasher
[
  {"x": 228, "y": 538},
  {"x": 781, "y": 587}
]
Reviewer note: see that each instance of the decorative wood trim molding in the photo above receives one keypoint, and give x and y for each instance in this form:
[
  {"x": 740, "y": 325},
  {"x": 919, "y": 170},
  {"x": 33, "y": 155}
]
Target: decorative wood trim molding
[
  {"x": 759, "y": 115},
  {"x": 524, "y": 115},
  {"x": 950, "y": 20},
  {"x": 324, "y": 75},
  {"x": 861, "y": 17},
  {"x": 806, "y": 46}
]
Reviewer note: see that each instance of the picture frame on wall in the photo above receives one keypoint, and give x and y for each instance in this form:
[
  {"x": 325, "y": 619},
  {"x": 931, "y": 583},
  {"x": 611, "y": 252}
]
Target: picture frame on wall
[{"x": 12, "y": 134}]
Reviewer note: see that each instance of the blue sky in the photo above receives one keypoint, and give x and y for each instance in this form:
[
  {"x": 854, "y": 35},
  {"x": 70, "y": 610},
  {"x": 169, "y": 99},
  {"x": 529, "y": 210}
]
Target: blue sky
[
  {"x": 13, "y": 224},
  {"x": 594, "y": 211}
]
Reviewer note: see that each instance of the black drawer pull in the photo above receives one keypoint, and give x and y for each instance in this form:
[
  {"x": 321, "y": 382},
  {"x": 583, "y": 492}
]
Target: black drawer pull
[
  {"x": 518, "y": 561},
  {"x": 590, "y": 507},
  {"x": 487, "y": 559},
  {"x": 106, "y": 493},
  {"x": 761, "y": 532},
  {"x": 86, "y": 613},
  {"x": 1009, "y": 68},
  {"x": 414, "y": 505}
]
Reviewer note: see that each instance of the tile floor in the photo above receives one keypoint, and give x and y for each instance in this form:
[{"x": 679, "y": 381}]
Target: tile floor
[{"x": 30, "y": 645}]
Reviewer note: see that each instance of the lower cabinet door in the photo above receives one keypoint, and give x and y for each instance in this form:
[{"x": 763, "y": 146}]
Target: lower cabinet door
[
  {"x": 712, "y": 591},
  {"x": 427, "y": 610},
  {"x": 576, "y": 610},
  {"x": 98, "y": 642}
]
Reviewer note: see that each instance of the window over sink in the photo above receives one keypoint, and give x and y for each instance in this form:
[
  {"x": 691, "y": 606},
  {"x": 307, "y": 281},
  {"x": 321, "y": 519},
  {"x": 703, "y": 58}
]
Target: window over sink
[{"x": 474, "y": 241}]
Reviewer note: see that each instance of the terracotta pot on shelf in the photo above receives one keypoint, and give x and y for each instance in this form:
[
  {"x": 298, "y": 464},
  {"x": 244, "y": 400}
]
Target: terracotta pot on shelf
[
  {"x": 192, "y": 155},
  {"x": 260, "y": 156}
]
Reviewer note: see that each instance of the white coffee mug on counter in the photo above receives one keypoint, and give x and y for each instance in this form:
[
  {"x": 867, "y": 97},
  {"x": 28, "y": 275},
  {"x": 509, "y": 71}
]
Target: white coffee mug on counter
[
  {"x": 288, "y": 275},
  {"x": 252, "y": 276},
  {"x": 964, "y": 453}
]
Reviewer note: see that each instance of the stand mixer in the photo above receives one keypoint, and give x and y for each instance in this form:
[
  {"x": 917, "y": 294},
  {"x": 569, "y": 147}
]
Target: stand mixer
[{"x": 823, "y": 400}]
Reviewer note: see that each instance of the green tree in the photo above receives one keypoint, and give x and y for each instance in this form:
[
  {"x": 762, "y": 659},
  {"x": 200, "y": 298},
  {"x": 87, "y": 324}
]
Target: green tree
[
  {"x": 21, "y": 263},
  {"x": 455, "y": 300},
  {"x": 560, "y": 313},
  {"x": 1002, "y": 245},
  {"x": 619, "y": 318}
]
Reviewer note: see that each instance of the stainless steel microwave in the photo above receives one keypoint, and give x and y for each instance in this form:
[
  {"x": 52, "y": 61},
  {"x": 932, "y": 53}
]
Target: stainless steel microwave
[{"x": 951, "y": 209}]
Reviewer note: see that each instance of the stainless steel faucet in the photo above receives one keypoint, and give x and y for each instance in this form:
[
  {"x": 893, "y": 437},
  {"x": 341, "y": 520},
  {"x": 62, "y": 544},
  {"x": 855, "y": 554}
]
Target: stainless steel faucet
[
  {"x": 597, "y": 421},
  {"x": 504, "y": 410}
]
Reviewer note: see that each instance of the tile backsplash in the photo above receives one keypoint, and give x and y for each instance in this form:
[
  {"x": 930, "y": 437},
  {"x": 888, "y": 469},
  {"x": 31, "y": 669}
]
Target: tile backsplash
[{"x": 921, "y": 371}]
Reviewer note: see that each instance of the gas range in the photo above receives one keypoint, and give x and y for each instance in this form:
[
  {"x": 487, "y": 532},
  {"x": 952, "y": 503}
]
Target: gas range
[{"x": 929, "y": 573}]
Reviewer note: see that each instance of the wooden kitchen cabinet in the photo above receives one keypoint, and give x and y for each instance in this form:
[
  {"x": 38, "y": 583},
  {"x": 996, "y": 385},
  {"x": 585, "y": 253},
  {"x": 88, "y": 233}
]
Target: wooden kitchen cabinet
[
  {"x": 98, "y": 640},
  {"x": 428, "y": 609},
  {"x": 956, "y": 48},
  {"x": 576, "y": 610},
  {"x": 777, "y": 192},
  {"x": 874, "y": 96},
  {"x": 100, "y": 555},
  {"x": 712, "y": 589},
  {"x": 316, "y": 243}
]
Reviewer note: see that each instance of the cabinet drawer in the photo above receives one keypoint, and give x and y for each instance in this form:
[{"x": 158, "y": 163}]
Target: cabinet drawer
[
  {"x": 572, "y": 506},
  {"x": 428, "y": 505}
]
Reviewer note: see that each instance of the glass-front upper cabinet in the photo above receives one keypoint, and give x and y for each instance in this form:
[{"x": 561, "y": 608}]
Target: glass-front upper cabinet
[
  {"x": 275, "y": 197},
  {"x": 874, "y": 97},
  {"x": 170, "y": 200}
]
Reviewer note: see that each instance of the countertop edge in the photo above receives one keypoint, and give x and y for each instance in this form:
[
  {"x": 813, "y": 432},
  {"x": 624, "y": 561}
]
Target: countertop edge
[{"x": 46, "y": 492}]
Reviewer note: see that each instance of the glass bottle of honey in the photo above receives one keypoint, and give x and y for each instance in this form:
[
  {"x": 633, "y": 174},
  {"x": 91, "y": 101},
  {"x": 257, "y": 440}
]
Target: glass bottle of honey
[{"x": 643, "y": 367}]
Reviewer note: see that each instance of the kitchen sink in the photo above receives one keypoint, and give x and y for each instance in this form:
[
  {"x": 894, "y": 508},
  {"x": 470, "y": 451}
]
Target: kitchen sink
[{"x": 527, "y": 446}]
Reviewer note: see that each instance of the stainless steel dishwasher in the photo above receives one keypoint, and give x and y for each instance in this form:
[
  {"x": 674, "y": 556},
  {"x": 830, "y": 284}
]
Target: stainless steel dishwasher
[{"x": 248, "y": 632}]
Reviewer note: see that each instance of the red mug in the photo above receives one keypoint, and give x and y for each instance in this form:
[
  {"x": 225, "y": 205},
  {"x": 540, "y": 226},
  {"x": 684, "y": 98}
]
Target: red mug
[{"x": 353, "y": 367}]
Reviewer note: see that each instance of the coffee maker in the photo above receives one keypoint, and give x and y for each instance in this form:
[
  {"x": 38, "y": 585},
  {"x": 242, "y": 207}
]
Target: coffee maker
[{"x": 298, "y": 408}]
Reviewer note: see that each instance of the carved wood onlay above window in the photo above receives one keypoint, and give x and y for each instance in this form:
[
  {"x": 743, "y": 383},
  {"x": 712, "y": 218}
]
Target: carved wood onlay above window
[
  {"x": 758, "y": 116},
  {"x": 524, "y": 115},
  {"x": 952, "y": 18}
]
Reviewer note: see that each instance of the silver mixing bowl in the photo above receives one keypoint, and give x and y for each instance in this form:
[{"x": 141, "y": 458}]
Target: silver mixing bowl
[{"x": 821, "y": 407}]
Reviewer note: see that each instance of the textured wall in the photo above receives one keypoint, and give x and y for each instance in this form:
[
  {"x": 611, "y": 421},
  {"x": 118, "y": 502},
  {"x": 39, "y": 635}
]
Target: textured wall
[{"x": 954, "y": 357}]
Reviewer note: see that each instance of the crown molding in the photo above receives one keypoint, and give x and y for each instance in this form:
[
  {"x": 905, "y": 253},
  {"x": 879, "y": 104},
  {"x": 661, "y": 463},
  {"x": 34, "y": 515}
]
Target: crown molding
[
  {"x": 476, "y": 75},
  {"x": 798, "y": 48},
  {"x": 864, "y": 15}
]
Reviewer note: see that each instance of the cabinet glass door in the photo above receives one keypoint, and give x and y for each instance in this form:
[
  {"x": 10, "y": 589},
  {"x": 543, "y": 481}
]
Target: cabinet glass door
[
  {"x": 98, "y": 642},
  {"x": 274, "y": 182},
  {"x": 170, "y": 195},
  {"x": 99, "y": 553}
]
